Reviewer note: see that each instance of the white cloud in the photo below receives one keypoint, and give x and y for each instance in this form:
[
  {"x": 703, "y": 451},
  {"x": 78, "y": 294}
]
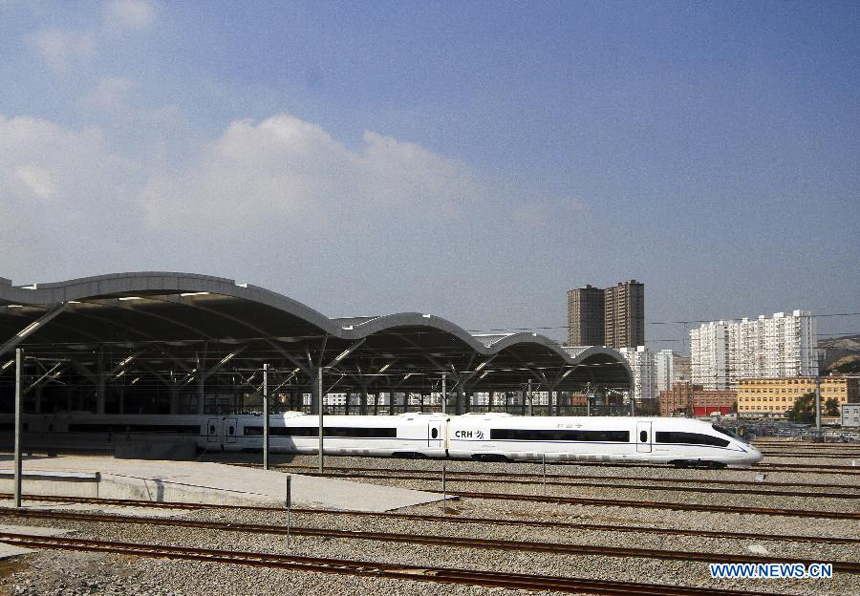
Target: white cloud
[
  {"x": 110, "y": 94},
  {"x": 34, "y": 181},
  {"x": 291, "y": 171},
  {"x": 129, "y": 14},
  {"x": 62, "y": 191},
  {"x": 64, "y": 50}
]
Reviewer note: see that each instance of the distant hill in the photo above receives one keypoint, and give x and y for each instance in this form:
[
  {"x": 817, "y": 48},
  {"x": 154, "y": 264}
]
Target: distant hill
[{"x": 840, "y": 354}]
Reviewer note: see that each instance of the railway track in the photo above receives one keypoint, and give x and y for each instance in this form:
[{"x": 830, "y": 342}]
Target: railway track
[
  {"x": 554, "y": 476},
  {"x": 661, "y": 505},
  {"x": 810, "y": 468},
  {"x": 440, "y": 540},
  {"x": 552, "y": 481},
  {"x": 445, "y": 575},
  {"x": 777, "y": 467},
  {"x": 811, "y": 455},
  {"x": 463, "y": 520}
]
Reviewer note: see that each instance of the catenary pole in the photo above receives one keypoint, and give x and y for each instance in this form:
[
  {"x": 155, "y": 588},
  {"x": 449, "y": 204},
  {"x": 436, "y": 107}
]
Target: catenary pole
[
  {"x": 818, "y": 407},
  {"x": 444, "y": 393},
  {"x": 265, "y": 416},
  {"x": 320, "y": 402},
  {"x": 19, "y": 354}
]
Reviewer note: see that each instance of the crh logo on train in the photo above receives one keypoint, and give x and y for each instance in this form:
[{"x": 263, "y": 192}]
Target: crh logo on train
[{"x": 469, "y": 434}]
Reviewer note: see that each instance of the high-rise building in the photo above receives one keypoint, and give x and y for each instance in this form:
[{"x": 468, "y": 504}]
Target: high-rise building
[
  {"x": 641, "y": 362},
  {"x": 614, "y": 317},
  {"x": 664, "y": 369},
  {"x": 681, "y": 370},
  {"x": 585, "y": 317},
  {"x": 785, "y": 345},
  {"x": 710, "y": 358},
  {"x": 624, "y": 312}
]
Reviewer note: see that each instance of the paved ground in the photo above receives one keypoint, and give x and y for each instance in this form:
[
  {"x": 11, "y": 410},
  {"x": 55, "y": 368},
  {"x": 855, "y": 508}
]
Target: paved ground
[{"x": 207, "y": 482}]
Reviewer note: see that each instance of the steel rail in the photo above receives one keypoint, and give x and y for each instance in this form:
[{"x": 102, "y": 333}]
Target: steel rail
[
  {"x": 459, "y": 520},
  {"x": 786, "y": 454},
  {"x": 573, "y": 477},
  {"x": 553, "y": 482},
  {"x": 369, "y": 569},
  {"x": 661, "y": 505},
  {"x": 440, "y": 540}
]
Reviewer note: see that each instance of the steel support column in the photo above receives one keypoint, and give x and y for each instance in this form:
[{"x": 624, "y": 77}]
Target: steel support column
[
  {"x": 101, "y": 384},
  {"x": 363, "y": 407},
  {"x": 265, "y": 416},
  {"x": 200, "y": 386}
]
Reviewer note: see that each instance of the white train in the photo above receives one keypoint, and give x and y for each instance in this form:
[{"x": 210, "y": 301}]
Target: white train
[{"x": 490, "y": 437}]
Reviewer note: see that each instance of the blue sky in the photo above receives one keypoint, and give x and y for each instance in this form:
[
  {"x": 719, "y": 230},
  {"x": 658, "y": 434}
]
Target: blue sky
[{"x": 473, "y": 160}]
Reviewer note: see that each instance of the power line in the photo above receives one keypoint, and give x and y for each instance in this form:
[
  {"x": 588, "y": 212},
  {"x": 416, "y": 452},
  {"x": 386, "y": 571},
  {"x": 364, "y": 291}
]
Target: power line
[{"x": 558, "y": 327}]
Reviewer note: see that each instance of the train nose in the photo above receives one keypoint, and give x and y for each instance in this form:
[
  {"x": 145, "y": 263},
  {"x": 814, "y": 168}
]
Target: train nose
[{"x": 753, "y": 455}]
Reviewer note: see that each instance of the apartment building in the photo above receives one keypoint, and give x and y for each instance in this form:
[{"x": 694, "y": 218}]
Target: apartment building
[
  {"x": 585, "y": 317},
  {"x": 722, "y": 352},
  {"x": 642, "y": 364},
  {"x": 681, "y": 369},
  {"x": 664, "y": 369},
  {"x": 613, "y": 317},
  {"x": 710, "y": 356},
  {"x": 775, "y": 396},
  {"x": 624, "y": 311}
]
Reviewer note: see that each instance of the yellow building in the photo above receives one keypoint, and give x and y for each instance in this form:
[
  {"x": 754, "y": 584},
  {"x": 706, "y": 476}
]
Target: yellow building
[{"x": 775, "y": 396}]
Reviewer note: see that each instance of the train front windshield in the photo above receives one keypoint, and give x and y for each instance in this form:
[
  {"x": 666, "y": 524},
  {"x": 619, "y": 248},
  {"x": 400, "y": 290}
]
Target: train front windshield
[{"x": 724, "y": 431}]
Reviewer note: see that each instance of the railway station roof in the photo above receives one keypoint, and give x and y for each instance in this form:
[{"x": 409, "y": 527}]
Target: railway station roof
[{"x": 167, "y": 325}]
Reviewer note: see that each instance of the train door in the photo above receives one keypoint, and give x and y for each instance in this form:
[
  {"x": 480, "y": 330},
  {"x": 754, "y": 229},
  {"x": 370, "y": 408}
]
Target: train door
[
  {"x": 212, "y": 434},
  {"x": 230, "y": 430},
  {"x": 643, "y": 437},
  {"x": 434, "y": 434}
]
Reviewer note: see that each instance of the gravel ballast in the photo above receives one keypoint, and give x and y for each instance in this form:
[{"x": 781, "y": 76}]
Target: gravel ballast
[{"x": 63, "y": 573}]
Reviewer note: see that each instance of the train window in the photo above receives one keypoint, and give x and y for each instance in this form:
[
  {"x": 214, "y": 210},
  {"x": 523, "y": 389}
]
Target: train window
[
  {"x": 643, "y": 436},
  {"x": 329, "y": 431},
  {"x": 434, "y": 433},
  {"x": 231, "y": 430},
  {"x": 212, "y": 429},
  {"x": 184, "y": 429},
  {"x": 620, "y": 436},
  {"x": 690, "y": 439}
]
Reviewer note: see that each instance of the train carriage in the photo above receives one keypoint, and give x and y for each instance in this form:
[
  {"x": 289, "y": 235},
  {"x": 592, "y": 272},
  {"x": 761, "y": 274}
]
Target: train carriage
[{"x": 492, "y": 437}]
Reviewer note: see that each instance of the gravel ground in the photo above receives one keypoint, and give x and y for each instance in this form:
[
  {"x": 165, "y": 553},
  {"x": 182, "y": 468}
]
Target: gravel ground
[{"x": 58, "y": 573}]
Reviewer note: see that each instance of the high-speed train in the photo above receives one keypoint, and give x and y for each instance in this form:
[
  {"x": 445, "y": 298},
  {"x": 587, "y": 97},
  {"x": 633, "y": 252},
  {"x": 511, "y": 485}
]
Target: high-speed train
[{"x": 490, "y": 437}]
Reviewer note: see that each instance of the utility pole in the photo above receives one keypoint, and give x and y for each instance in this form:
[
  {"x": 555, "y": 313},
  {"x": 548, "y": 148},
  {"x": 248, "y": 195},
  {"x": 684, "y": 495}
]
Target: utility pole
[
  {"x": 320, "y": 393},
  {"x": 19, "y": 356},
  {"x": 265, "y": 416},
  {"x": 818, "y": 396}
]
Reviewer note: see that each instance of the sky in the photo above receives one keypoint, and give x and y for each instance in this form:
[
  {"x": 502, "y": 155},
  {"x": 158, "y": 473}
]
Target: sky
[{"x": 474, "y": 160}]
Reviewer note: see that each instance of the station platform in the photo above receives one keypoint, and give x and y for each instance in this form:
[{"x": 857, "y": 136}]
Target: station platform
[{"x": 200, "y": 482}]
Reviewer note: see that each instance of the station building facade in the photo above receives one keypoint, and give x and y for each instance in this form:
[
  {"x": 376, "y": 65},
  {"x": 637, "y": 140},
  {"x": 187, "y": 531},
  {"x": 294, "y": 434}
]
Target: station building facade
[{"x": 686, "y": 399}]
